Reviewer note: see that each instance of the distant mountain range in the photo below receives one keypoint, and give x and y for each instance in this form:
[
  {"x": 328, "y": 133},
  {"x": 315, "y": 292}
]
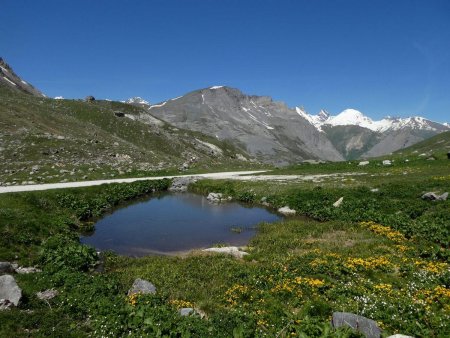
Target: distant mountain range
[
  {"x": 270, "y": 131},
  {"x": 275, "y": 133},
  {"x": 357, "y": 136}
]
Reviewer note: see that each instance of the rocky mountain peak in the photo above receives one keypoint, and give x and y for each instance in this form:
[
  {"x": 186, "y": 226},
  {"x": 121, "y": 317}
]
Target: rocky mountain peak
[
  {"x": 137, "y": 101},
  {"x": 323, "y": 115},
  {"x": 13, "y": 81}
]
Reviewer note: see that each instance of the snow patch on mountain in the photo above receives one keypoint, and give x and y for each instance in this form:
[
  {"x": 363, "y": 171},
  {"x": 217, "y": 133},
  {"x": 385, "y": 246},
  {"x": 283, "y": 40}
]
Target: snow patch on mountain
[{"x": 216, "y": 87}]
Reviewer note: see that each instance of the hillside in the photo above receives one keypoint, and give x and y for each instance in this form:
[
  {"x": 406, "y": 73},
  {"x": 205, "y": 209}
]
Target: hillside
[
  {"x": 266, "y": 129},
  {"x": 47, "y": 140},
  {"x": 437, "y": 146}
]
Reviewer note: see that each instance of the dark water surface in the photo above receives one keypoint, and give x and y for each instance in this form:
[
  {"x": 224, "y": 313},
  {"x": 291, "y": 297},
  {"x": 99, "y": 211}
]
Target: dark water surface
[{"x": 171, "y": 223}]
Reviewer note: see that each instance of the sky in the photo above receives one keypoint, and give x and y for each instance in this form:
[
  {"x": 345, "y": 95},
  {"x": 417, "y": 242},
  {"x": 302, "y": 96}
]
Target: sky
[{"x": 382, "y": 57}]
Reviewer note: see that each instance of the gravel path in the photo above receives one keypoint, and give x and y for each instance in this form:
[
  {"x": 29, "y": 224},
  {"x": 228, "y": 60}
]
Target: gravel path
[{"x": 35, "y": 187}]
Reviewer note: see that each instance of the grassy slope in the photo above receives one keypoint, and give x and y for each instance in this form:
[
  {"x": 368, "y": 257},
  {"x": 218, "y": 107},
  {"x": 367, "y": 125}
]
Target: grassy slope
[
  {"x": 70, "y": 139},
  {"x": 298, "y": 271},
  {"x": 438, "y": 146}
]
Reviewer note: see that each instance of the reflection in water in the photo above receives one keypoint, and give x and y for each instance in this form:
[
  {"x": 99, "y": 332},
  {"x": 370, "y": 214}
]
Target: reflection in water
[{"x": 175, "y": 222}]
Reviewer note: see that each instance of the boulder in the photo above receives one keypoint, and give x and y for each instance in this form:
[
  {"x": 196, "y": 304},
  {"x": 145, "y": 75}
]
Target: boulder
[
  {"x": 9, "y": 290},
  {"x": 186, "y": 311},
  {"x": 338, "y": 203},
  {"x": 22, "y": 270},
  {"x": 228, "y": 250},
  {"x": 5, "y": 305},
  {"x": 180, "y": 184},
  {"x": 363, "y": 163},
  {"x": 214, "y": 197},
  {"x": 6, "y": 267},
  {"x": 387, "y": 162},
  {"x": 399, "y": 336},
  {"x": 141, "y": 286},
  {"x": 119, "y": 114},
  {"x": 89, "y": 98},
  {"x": 366, "y": 326},
  {"x": 47, "y": 294},
  {"x": 287, "y": 211},
  {"x": 431, "y": 196}
]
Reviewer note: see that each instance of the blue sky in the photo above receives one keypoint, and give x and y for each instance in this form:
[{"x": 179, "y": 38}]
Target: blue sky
[{"x": 380, "y": 57}]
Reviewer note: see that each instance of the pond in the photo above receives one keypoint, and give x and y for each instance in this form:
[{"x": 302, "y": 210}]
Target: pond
[{"x": 174, "y": 223}]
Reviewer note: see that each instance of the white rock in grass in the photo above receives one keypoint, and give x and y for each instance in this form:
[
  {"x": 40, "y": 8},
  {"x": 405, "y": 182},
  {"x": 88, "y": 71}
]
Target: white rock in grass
[
  {"x": 141, "y": 286},
  {"x": 287, "y": 211},
  {"x": 338, "y": 202},
  {"x": 9, "y": 290},
  {"x": 228, "y": 250}
]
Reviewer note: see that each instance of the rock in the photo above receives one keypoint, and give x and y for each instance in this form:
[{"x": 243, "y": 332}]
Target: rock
[
  {"x": 47, "y": 294},
  {"x": 399, "y": 336},
  {"x": 228, "y": 250},
  {"x": 264, "y": 202},
  {"x": 363, "y": 163},
  {"x": 338, "y": 202},
  {"x": 287, "y": 211},
  {"x": 186, "y": 311},
  {"x": 9, "y": 290},
  {"x": 214, "y": 197},
  {"x": 431, "y": 196},
  {"x": 141, "y": 286},
  {"x": 6, "y": 267},
  {"x": 119, "y": 114},
  {"x": 443, "y": 197},
  {"x": 184, "y": 166},
  {"x": 387, "y": 162},
  {"x": 5, "y": 304},
  {"x": 89, "y": 98},
  {"x": 366, "y": 326},
  {"x": 22, "y": 270},
  {"x": 180, "y": 184},
  {"x": 374, "y": 190}
]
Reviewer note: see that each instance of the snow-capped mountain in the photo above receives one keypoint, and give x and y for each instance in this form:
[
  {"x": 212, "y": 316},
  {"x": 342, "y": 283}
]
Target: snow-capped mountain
[
  {"x": 353, "y": 117},
  {"x": 355, "y": 135},
  {"x": 137, "y": 101}
]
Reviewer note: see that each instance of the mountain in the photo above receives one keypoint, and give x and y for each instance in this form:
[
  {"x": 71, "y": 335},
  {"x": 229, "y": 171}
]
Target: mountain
[
  {"x": 265, "y": 129},
  {"x": 12, "y": 80},
  {"x": 437, "y": 146},
  {"x": 49, "y": 140},
  {"x": 357, "y": 136},
  {"x": 137, "y": 101}
]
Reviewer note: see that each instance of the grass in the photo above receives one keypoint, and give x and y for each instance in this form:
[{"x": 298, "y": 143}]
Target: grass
[
  {"x": 382, "y": 254},
  {"x": 46, "y": 140}
]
